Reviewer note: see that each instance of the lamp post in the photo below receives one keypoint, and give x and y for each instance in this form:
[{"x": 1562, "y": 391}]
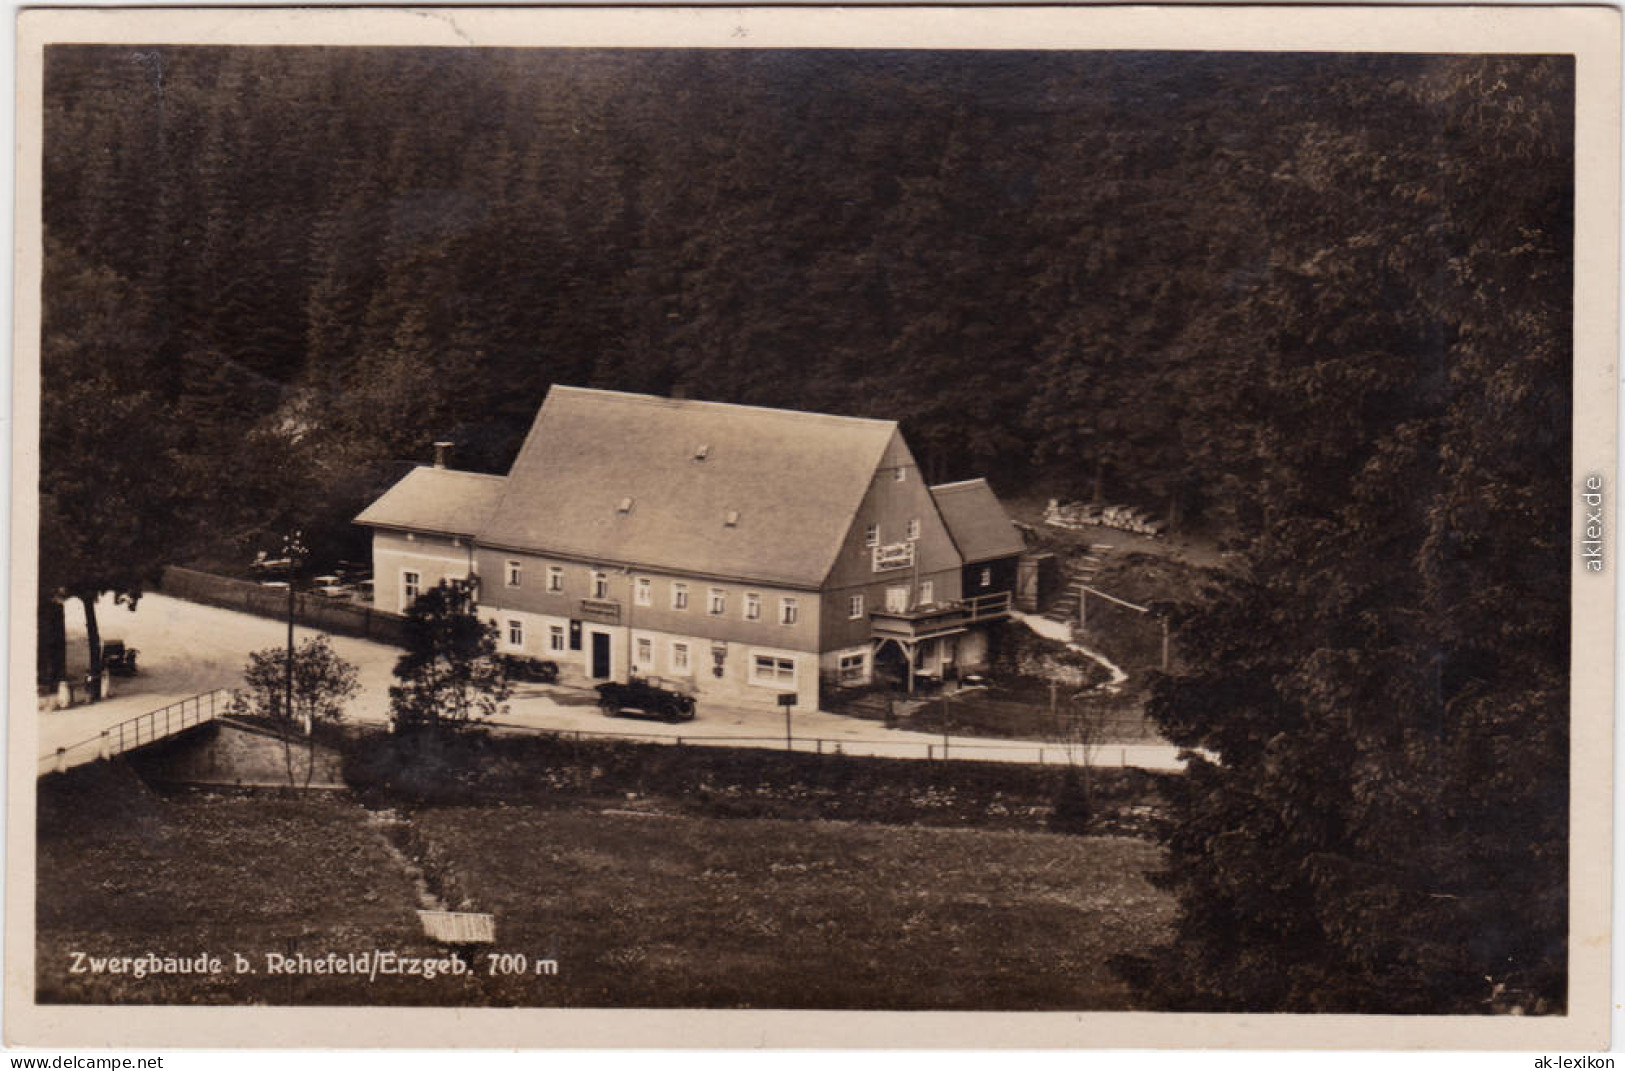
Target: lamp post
[{"x": 293, "y": 552}]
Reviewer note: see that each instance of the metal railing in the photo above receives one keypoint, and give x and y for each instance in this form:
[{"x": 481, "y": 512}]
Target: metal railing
[{"x": 141, "y": 730}]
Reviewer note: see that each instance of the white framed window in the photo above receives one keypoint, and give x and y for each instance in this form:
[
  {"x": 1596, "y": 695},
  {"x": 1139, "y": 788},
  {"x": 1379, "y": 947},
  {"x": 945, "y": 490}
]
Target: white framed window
[
  {"x": 852, "y": 668},
  {"x": 772, "y": 669},
  {"x": 987, "y": 578},
  {"x": 854, "y": 606},
  {"x": 753, "y": 606},
  {"x": 928, "y": 592},
  {"x": 644, "y": 652},
  {"x": 679, "y": 596},
  {"x": 600, "y": 586},
  {"x": 411, "y": 587},
  {"x": 913, "y": 529},
  {"x": 788, "y": 611},
  {"x": 719, "y": 601},
  {"x": 896, "y": 599},
  {"x": 644, "y": 591},
  {"x": 555, "y": 637},
  {"x": 679, "y": 657},
  {"x": 514, "y": 573},
  {"x": 516, "y": 633},
  {"x": 871, "y": 535},
  {"x": 555, "y": 578}
]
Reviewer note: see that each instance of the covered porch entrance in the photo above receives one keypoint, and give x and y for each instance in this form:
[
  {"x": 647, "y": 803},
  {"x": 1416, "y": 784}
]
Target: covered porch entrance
[
  {"x": 924, "y": 641},
  {"x": 907, "y": 664}
]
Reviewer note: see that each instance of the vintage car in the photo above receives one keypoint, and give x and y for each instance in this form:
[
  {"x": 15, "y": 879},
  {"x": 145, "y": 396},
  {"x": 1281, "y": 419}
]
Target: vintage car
[
  {"x": 118, "y": 659},
  {"x": 530, "y": 669},
  {"x": 648, "y": 697}
]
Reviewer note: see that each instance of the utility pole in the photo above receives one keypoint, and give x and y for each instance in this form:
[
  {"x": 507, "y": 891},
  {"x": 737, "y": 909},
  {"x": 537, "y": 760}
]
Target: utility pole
[
  {"x": 293, "y": 551},
  {"x": 631, "y": 597}
]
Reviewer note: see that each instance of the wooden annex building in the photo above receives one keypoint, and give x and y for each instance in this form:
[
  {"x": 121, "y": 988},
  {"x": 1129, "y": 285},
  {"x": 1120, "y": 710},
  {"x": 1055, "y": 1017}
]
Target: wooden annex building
[{"x": 741, "y": 551}]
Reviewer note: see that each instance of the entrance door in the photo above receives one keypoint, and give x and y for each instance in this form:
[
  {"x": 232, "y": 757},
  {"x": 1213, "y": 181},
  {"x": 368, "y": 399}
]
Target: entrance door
[{"x": 600, "y": 655}]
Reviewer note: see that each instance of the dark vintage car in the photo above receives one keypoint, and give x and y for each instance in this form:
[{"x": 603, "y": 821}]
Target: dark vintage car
[
  {"x": 647, "y": 697},
  {"x": 118, "y": 659},
  {"x": 530, "y": 669}
]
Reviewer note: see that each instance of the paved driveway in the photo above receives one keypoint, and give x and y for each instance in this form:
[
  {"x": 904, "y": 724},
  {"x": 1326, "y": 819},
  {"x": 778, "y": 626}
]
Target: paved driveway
[{"x": 186, "y": 648}]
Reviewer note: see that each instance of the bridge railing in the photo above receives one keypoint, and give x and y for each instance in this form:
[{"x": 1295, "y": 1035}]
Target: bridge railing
[{"x": 141, "y": 730}]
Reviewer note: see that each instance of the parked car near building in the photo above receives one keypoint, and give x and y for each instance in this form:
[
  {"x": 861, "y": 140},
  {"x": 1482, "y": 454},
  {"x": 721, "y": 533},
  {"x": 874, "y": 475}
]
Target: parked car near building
[{"x": 645, "y": 696}]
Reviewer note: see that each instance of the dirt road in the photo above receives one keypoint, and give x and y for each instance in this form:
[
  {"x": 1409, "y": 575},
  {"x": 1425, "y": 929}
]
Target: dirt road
[{"x": 186, "y": 648}]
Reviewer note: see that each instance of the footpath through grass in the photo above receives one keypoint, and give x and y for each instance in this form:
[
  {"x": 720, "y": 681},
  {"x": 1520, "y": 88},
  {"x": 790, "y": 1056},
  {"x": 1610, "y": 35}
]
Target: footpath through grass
[{"x": 638, "y": 907}]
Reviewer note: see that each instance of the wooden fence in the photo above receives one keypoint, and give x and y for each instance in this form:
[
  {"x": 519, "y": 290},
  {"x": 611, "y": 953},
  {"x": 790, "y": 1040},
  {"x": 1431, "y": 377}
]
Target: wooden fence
[
  {"x": 1098, "y": 718},
  {"x": 1145, "y": 755},
  {"x": 342, "y": 616}
]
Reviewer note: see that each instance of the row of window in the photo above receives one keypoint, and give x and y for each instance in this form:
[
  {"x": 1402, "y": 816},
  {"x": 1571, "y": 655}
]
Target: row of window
[
  {"x": 764, "y": 668},
  {"x": 643, "y": 594},
  {"x": 871, "y": 533},
  {"x": 677, "y": 658},
  {"x": 515, "y": 572},
  {"x": 896, "y": 598}
]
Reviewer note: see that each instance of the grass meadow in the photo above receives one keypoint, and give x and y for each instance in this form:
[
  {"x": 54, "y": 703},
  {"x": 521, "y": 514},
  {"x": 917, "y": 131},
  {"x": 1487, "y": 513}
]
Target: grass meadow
[{"x": 638, "y": 904}]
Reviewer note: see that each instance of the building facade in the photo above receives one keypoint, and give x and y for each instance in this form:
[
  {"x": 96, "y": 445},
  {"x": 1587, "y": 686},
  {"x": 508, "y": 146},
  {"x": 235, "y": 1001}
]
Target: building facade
[{"x": 737, "y": 552}]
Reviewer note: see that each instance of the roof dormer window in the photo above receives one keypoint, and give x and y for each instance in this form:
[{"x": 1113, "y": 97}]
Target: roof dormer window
[
  {"x": 731, "y": 519},
  {"x": 624, "y": 507},
  {"x": 702, "y": 451}
]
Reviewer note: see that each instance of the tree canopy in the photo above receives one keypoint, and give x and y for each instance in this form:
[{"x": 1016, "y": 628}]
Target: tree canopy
[
  {"x": 450, "y": 676},
  {"x": 298, "y": 692},
  {"x": 1385, "y": 825},
  {"x": 1319, "y": 303},
  {"x": 1052, "y": 267}
]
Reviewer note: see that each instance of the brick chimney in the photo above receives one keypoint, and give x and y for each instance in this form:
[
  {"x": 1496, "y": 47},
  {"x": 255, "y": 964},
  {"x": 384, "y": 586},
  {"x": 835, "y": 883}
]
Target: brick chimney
[{"x": 440, "y": 450}]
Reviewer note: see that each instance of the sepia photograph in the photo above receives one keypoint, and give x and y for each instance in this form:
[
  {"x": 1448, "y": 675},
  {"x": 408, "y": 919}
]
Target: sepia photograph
[{"x": 798, "y": 511}]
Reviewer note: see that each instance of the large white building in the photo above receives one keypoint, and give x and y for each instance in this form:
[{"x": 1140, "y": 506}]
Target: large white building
[{"x": 747, "y": 552}]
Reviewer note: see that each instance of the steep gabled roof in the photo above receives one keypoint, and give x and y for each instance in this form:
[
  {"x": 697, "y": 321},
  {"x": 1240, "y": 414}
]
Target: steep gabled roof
[
  {"x": 654, "y": 482},
  {"x": 977, "y": 522},
  {"x": 436, "y": 500}
]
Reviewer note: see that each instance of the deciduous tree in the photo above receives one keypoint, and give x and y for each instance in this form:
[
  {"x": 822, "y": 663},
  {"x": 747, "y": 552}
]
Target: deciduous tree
[
  {"x": 450, "y": 676},
  {"x": 322, "y": 685},
  {"x": 1383, "y": 827}
]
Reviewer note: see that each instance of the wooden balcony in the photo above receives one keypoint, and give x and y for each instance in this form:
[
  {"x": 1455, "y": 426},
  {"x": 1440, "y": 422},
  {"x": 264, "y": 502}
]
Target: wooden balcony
[{"x": 938, "y": 619}]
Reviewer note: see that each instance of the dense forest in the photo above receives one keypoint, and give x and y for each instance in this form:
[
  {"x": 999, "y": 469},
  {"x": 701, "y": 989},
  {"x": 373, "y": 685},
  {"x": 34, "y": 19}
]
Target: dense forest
[{"x": 1319, "y": 304}]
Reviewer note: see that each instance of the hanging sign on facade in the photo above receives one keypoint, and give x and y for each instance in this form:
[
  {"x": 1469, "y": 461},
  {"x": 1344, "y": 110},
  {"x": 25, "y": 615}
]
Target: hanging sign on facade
[{"x": 894, "y": 556}]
